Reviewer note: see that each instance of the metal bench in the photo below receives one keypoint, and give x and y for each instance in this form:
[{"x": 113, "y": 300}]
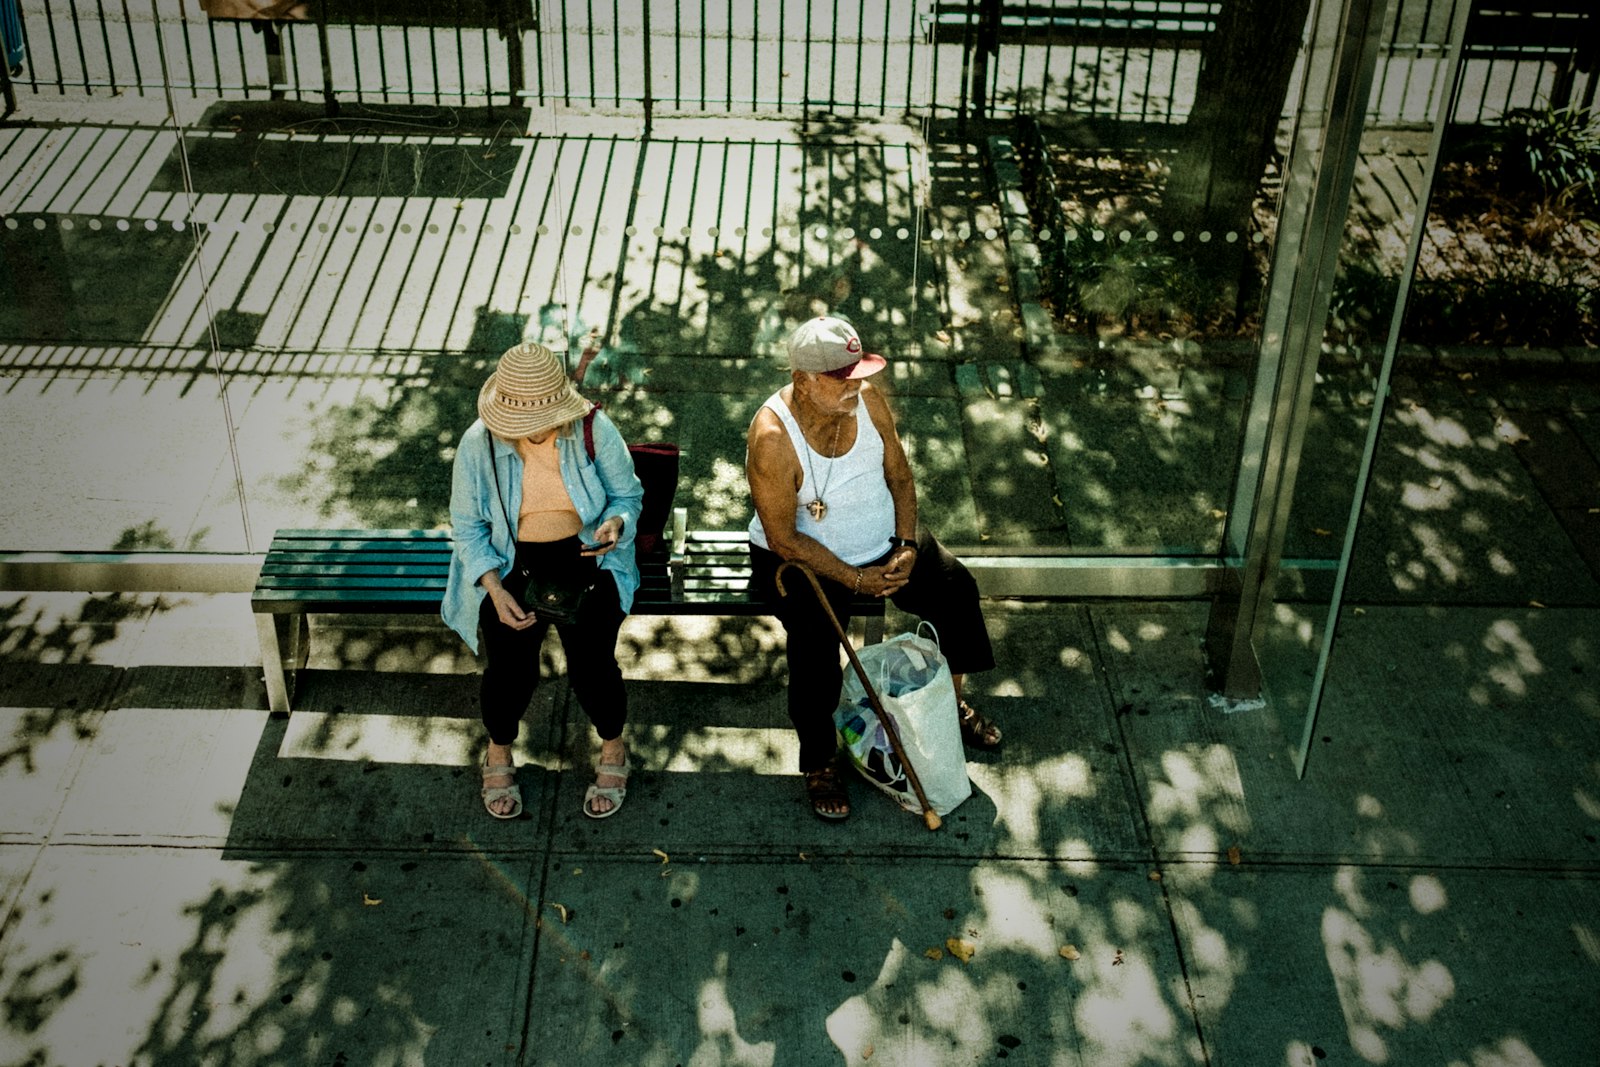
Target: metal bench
[{"x": 370, "y": 572}]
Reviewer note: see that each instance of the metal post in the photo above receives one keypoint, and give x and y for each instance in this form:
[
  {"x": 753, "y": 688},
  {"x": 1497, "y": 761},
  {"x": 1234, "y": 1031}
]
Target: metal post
[
  {"x": 330, "y": 102},
  {"x": 649, "y": 94},
  {"x": 1340, "y": 63}
]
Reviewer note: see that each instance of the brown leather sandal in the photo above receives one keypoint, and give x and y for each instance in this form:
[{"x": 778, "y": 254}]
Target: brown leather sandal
[
  {"x": 976, "y": 730},
  {"x": 825, "y": 792}
]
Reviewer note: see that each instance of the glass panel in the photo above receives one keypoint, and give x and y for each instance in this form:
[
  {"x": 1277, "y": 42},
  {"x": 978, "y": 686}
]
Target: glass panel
[
  {"x": 1397, "y": 155},
  {"x": 1099, "y": 243}
]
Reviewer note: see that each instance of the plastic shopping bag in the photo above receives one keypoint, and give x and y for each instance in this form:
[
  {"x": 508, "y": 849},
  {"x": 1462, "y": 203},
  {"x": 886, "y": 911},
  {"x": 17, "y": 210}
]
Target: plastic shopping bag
[{"x": 913, "y": 684}]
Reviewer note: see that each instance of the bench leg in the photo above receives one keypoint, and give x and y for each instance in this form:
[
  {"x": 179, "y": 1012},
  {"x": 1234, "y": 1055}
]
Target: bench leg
[
  {"x": 871, "y": 629},
  {"x": 273, "y": 632}
]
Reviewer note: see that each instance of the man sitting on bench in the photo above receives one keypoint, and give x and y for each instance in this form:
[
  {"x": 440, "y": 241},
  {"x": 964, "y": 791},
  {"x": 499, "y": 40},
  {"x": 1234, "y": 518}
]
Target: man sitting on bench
[{"x": 834, "y": 491}]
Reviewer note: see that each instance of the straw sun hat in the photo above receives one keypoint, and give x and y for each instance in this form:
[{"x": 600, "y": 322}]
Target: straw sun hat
[{"x": 528, "y": 393}]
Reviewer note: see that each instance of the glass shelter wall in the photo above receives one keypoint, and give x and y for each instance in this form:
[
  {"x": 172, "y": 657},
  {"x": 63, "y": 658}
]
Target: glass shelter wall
[{"x": 252, "y": 272}]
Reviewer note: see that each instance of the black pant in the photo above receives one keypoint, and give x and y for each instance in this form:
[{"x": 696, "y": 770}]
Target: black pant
[
  {"x": 941, "y": 591},
  {"x": 511, "y": 673}
]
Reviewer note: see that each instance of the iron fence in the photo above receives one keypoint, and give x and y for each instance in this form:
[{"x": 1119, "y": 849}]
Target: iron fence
[{"x": 1120, "y": 59}]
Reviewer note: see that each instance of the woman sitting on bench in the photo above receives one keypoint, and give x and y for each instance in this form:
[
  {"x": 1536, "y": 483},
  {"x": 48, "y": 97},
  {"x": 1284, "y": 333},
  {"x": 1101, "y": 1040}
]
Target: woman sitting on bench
[{"x": 543, "y": 534}]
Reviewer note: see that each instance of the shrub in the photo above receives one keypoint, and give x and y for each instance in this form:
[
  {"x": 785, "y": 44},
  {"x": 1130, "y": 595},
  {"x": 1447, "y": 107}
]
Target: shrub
[{"x": 1557, "y": 148}]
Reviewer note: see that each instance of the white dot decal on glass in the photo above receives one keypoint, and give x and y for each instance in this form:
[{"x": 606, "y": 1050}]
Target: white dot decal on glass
[
  {"x": 937, "y": 235},
  {"x": 322, "y": 227},
  {"x": 488, "y": 227},
  {"x": 1205, "y": 235},
  {"x": 177, "y": 225},
  {"x": 377, "y": 227},
  {"x": 1044, "y": 234},
  {"x": 1258, "y": 237},
  {"x": 349, "y": 229},
  {"x": 902, "y": 233},
  {"x": 739, "y": 231},
  {"x": 66, "y": 224},
  {"x": 149, "y": 224},
  {"x": 1151, "y": 236},
  {"x": 11, "y": 224},
  {"x": 1177, "y": 235},
  {"x": 821, "y": 233},
  {"x": 461, "y": 227},
  {"x": 433, "y": 227},
  {"x": 875, "y": 233},
  {"x": 684, "y": 231},
  {"x": 1125, "y": 236},
  {"x": 266, "y": 227},
  {"x": 658, "y": 231},
  {"x": 713, "y": 231},
  {"x": 1070, "y": 236},
  {"x": 1098, "y": 235},
  {"x": 847, "y": 234},
  {"x": 94, "y": 224},
  {"x": 630, "y": 230},
  {"x": 577, "y": 231},
  {"x": 405, "y": 227},
  {"x": 541, "y": 229},
  {"x": 990, "y": 234},
  {"x": 1230, "y": 237}
]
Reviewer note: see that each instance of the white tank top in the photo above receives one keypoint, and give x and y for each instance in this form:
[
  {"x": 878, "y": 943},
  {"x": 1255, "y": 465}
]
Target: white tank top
[{"x": 860, "y": 517}]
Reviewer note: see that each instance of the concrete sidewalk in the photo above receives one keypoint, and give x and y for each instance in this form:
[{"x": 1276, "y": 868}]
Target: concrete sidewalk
[{"x": 187, "y": 880}]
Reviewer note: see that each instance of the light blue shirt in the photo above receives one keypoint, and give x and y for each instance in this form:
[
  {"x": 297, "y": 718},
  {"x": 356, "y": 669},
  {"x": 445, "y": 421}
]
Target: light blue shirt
[{"x": 485, "y": 529}]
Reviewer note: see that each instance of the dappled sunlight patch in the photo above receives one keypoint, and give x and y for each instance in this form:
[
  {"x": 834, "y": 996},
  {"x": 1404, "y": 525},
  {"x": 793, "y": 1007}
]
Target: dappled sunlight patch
[
  {"x": 1505, "y": 638},
  {"x": 1379, "y": 988},
  {"x": 1122, "y": 1015},
  {"x": 1428, "y": 894},
  {"x": 720, "y": 1042},
  {"x": 1022, "y": 793},
  {"x": 1201, "y": 782},
  {"x": 1216, "y": 964},
  {"x": 1587, "y": 802},
  {"x": 944, "y": 1024},
  {"x": 1508, "y": 1052},
  {"x": 426, "y": 740},
  {"x": 1588, "y": 940},
  {"x": 1016, "y": 915},
  {"x": 747, "y": 750}
]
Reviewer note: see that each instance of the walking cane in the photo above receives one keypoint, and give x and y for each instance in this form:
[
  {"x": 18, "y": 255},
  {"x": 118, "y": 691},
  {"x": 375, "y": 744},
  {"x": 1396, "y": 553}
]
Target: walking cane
[{"x": 929, "y": 816}]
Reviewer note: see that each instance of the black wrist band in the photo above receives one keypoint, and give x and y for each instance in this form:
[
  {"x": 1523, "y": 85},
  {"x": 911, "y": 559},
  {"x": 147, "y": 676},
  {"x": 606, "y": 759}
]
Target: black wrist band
[{"x": 902, "y": 542}]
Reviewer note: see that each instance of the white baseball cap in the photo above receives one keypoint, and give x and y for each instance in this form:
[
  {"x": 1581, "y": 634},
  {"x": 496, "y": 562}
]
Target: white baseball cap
[{"x": 826, "y": 345}]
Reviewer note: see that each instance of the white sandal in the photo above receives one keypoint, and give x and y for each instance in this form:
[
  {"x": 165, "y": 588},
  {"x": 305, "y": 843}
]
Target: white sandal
[
  {"x": 493, "y": 793},
  {"x": 613, "y": 793}
]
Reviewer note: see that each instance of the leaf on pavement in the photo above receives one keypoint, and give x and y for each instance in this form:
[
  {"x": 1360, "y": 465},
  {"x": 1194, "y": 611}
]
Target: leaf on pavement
[
  {"x": 961, "y": 950},
  {"x": 370, "y": 901},
  {"x": 1070, "y": 952},
  {"x": 1234, "y": 855},
  {"x": 934, "y": 953}
]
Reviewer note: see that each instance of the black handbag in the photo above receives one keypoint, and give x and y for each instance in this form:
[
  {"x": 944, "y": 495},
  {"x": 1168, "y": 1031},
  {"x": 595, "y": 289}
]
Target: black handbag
[{"x": 554, "y": 598}]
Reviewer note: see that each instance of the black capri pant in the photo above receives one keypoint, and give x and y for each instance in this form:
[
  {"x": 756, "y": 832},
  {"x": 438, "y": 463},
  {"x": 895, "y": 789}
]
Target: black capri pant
[
  {"x": 511, "y": 673},
  {"x": 941, "y": 591}
]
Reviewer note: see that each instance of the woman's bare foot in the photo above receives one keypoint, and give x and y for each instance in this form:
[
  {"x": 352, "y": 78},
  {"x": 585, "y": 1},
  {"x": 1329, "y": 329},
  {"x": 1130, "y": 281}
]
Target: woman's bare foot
[
  {"x": 500, "y": 756},
  {"x": 613, "y": 753}
]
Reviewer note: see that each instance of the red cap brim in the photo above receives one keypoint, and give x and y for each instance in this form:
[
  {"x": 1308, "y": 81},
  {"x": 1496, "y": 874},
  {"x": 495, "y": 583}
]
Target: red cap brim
[{"x": 869, "y": 365}]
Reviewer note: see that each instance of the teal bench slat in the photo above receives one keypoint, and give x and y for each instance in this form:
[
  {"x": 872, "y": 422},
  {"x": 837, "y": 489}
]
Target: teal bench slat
[{"x": 370, "y": 572}]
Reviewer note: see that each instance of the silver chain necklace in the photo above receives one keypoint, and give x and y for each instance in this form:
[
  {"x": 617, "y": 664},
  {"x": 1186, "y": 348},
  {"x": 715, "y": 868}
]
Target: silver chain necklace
[{"x": 818, "y": 507}]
